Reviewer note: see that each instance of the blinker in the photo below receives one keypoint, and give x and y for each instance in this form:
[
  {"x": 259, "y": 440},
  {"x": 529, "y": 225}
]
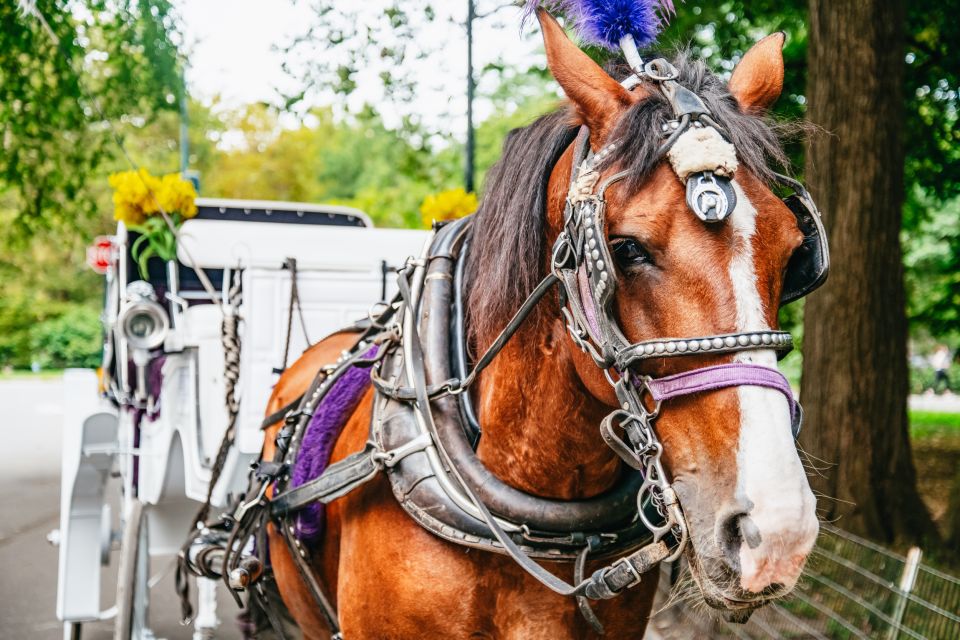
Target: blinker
[{"x": 796, "y": 423}]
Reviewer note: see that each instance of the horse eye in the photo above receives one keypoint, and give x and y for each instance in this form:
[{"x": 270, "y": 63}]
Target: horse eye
[{"x": 630, "y": 253}]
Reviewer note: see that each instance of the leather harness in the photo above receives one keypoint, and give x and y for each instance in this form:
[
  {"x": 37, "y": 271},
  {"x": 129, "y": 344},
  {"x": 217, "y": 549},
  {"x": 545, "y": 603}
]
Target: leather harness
[{"x": 424, "y": 429}]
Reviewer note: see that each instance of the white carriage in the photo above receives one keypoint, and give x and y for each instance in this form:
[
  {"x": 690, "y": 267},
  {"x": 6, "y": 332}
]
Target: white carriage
[{"x": 156, "y": 414}]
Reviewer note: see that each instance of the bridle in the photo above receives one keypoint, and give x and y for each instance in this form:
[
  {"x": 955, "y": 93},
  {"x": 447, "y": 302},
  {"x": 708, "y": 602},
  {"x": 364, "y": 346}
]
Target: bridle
[{"x": 582, "y": 261}]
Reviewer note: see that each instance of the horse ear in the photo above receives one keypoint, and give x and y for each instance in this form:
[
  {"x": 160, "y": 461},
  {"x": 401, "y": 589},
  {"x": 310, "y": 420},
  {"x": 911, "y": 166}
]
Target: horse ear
[
  {"x": 598, "y": 98},
  {"x": 757, "y": 80}
]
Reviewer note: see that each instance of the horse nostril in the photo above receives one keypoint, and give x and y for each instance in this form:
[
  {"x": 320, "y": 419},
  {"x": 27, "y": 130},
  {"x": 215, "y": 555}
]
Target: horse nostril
[
  {"x": 733, "y": 530},
  {"x": 729, "y": 538}
]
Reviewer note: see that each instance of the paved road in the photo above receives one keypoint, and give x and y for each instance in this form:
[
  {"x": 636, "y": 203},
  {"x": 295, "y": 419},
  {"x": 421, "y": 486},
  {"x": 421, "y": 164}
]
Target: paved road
[{"x": 29, "y": 509}]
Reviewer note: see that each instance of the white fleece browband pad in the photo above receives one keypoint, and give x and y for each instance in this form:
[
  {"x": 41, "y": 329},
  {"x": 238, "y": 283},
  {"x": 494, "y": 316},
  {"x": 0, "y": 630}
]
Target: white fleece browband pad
[{"x": 702, "y": 149}]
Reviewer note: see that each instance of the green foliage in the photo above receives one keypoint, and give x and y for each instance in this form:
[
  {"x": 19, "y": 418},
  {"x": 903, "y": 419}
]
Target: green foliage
[
  {"x": 376, "y": 37},
  {"x": 922, "y": 378},
  {"x": 932, "y": 79},
  {"x": 100, "y": 61},
  {"x": 43, "y": 278},
  {"x": 932, "y": 260},
  {"x": 72, "y": 339},
  {"x": 357, "y": 161}
]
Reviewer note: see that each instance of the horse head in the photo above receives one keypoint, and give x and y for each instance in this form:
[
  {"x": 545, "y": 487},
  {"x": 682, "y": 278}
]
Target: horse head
[{"x": 729, "y": 451}]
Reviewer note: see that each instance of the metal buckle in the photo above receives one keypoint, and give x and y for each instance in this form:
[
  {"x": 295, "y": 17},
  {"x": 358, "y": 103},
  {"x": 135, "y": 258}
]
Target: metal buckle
[
  {"x": 632, "y": 570},
  {"x": 392, "y": 457},
  {"x": 659, "y": 70},
  {"x": 247, "y": 506},
  {"x": 643, "y": 388}
]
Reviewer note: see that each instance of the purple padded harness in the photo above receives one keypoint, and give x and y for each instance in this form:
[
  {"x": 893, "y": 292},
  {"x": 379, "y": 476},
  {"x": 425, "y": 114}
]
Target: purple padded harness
[{"x": 320, "y": 437}]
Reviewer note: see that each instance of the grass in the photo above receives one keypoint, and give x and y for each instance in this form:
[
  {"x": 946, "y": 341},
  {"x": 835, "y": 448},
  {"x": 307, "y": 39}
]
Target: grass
[
  {"x": 19, "y": 374},
  {"x": 925, "y": 424}
]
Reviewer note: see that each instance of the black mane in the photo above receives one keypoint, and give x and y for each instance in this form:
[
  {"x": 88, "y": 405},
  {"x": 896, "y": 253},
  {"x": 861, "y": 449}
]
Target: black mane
[{"x": 507, "y": 250}]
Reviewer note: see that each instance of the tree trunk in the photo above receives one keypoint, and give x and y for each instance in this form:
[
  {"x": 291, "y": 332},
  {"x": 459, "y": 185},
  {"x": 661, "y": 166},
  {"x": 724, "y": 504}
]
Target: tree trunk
[{"x": 855, "y": 328}]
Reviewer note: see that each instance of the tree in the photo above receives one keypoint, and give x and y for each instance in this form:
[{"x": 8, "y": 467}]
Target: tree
[
  {"x": 855, "y": 357},
  {"x": 67, "y": 70}
]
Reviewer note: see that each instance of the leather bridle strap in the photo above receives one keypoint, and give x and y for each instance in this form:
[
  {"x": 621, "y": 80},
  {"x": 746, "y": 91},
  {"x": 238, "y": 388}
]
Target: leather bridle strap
[
  {"x": 281, "y": 413},
  {"x": 459, "y": 385},
  {"x": 719, "y": 377},
  {"x": 779, "y": 341}
]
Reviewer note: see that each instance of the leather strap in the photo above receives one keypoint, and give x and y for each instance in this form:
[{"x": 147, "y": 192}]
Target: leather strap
[
  {"x": 337, "y": 480},
  {"x": 306, "y": 574},
  {"x": 720, "y": 377},
  {"x": 626, "y": 572},
  {"x": 281, "y": 413}
]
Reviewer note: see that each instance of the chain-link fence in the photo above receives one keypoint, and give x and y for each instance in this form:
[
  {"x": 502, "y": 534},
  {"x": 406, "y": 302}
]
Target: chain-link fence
[{"x": 852, "y": 588}]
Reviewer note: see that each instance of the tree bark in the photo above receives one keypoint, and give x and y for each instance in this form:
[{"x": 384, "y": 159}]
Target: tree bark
[{"x": 855, "y": 379}]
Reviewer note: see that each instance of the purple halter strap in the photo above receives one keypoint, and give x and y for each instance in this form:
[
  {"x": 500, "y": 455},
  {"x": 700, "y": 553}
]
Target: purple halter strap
[{"x": 720, "y": 377}]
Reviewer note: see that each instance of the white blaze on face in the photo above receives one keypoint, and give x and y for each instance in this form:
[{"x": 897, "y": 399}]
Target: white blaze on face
[{"x": 781, "y": 525}]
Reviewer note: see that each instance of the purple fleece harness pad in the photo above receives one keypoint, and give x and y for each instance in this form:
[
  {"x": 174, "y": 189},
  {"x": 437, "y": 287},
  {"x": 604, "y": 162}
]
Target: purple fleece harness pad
[{"x": 324, "y": 428}]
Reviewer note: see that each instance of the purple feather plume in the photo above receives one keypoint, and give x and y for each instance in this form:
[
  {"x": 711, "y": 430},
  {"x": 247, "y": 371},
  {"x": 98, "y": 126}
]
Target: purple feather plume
[{"x": 605, "y": 22}]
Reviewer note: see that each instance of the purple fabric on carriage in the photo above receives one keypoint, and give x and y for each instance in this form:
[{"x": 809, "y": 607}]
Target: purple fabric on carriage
[{"x": 322, "y": 432}]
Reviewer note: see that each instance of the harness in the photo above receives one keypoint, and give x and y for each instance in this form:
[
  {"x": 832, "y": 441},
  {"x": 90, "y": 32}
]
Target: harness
[{"x": 423, "y": 430}]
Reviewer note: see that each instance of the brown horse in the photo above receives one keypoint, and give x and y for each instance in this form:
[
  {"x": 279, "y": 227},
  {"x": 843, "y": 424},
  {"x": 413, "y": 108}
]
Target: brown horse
[{"x": 729, "y": 452}]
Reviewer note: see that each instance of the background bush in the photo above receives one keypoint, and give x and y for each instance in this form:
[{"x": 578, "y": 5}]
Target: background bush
[{"x": 72, "y": 339}]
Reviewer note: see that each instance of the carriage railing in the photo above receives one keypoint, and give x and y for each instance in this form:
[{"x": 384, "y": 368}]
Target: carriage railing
[{"x": 852, "y": 588}]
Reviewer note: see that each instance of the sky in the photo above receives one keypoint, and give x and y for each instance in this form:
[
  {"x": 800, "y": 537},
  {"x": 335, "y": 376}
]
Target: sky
[{"x": 234, "y": 52}]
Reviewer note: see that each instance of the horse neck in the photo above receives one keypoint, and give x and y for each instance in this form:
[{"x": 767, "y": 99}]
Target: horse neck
[{"x": 540, "y": 424}]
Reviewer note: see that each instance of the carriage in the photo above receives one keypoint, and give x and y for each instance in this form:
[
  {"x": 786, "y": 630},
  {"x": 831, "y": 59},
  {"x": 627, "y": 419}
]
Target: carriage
[{"x": 155, "y": 413}]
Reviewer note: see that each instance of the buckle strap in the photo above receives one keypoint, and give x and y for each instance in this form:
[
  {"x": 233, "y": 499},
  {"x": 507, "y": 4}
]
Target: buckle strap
[
  {"x": 339, "y": 479},
  {"x": 344, "y": 476},
  {"x": 626, "y": 572},
  {"x": 268, "y": 471}
]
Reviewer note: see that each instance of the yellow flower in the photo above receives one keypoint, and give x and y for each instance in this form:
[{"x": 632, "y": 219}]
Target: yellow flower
[
  {"x": 132, "y": 199},
  {"x": 448, "y": 205},
  {"x": 177, "y": 195},
  {"x": 138, "y": 195}
]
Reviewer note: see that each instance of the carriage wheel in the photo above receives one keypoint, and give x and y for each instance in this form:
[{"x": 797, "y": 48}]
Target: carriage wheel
[
  {"x": 72, "y": 630},
  {"x": 133, "y": 590}
]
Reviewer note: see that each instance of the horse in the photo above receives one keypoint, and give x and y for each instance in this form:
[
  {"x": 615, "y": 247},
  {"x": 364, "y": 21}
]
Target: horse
[{"x": 728, "y": 451}]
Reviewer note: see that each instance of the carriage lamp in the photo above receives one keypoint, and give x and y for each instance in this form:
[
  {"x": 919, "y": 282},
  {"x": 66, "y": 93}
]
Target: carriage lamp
[{"x": 144, "y": 324}]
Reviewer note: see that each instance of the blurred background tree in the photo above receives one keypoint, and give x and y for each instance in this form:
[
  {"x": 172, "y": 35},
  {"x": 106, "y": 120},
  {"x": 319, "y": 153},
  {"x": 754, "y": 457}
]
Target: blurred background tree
[{"x": 68, "y": 70}]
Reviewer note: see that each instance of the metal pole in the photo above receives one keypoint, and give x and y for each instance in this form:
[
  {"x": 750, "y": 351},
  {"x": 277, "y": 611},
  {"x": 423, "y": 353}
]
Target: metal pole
[
  {"x": 184, "y": 140},
  {"x": 471, "y": 87},
  {"x": 907, "y": 580}
]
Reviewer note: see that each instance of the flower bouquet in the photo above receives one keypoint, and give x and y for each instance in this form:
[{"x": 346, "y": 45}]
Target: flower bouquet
[
  {"x": 448, "y": 205},
  {"x": 139, "y": 201}
]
